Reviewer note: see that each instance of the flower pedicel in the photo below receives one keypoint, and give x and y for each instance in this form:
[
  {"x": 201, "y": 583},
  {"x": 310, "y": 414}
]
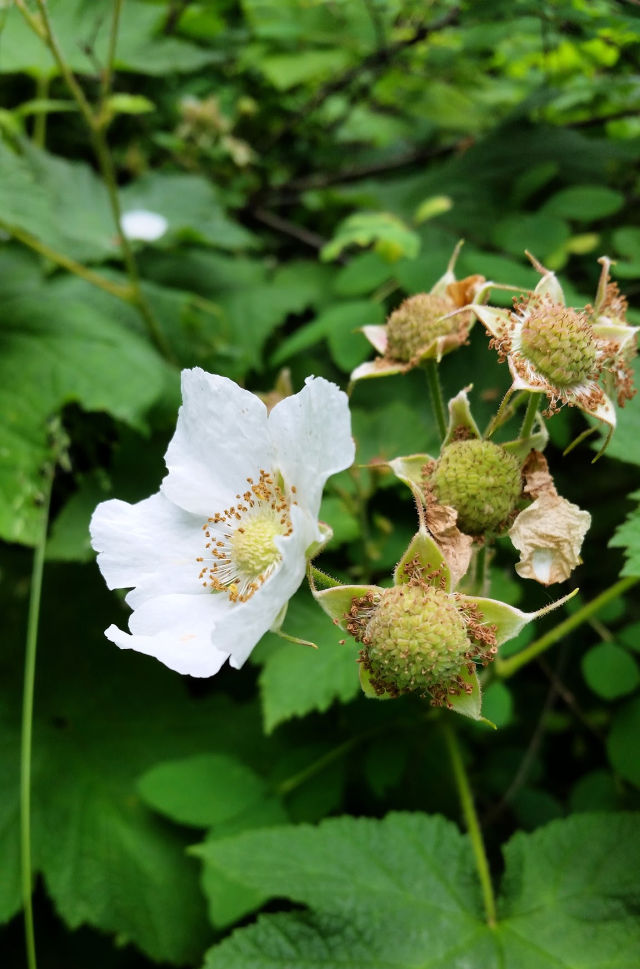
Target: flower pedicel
[{"x": 213, "y": 558}]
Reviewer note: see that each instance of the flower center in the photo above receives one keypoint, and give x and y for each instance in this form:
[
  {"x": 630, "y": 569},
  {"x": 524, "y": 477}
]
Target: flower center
[
  {"x": 241, "y": 552},
  {"x": 560, "y": 344},
  {"x": 481, "y": 480},
  {"x": 416, "y": 323}
]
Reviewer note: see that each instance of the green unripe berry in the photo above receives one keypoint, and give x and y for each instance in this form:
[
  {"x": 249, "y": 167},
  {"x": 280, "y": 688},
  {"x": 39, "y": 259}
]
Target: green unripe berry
[
  {"x": 481, "y": 480},
  {"x": 416, "y": 323},
  {"x": 416, "y": 640},
  {"x": 560, "y": 344}
]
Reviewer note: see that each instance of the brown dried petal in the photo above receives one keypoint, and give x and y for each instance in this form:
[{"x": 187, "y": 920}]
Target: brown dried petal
[
  {"x": 454, "y": 544},
  {"x": 537, "y": 477},
  {"x": 463, "y": 291},
  {"x": 549, "y": 536}
]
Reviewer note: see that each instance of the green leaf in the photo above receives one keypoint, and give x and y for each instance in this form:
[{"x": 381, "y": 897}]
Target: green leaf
[
  {"x": 82, "y": 31},
  {"x": 627, "y": 536},
  {"x": 622, "y": 742},
  {"x": 610, "y": 671},
  {"x": 297, "y": 679},
  {"x": 497, "y": 704},
  {"x": 129, "y": 104},
  {"x": 287, "y": 70},
  {"x": 540, "y": 233},
  {"x": 62, "y": 203},
  {"x": 54, "y": 352},
  {"x": 339, "y": 321},
  {"x": 228, "y": 899},
  {"x": 584, "y": 203},
  {"x": 391, "y": 237},
  {"x": 201, "y": 790},
  {"x": 402, "y": 892},
  {"x": 625, "y": 443}
]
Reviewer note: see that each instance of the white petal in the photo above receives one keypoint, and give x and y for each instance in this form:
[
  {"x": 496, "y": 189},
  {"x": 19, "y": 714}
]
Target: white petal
[
  {"x": 151, "y": 544},
  {"x": 380, "y": 367},
  {"x": 377, "y": 337},
  {"x": 144, "y": 225},
  {"x": 220, "y": 440},
  {"x": 311, "y": 432},
  {"x": 178, "y": 630}
]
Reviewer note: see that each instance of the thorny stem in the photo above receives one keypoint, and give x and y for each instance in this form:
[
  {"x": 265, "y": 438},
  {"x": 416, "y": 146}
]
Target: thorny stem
[
  {"x": 27, "y": 727},
  {"x": 505, "y": 668},
  {"x": 472, "y": 823},
  {"x": 42, "y": 26},
  {"x": 530, "y": 416},
  {"x": 437, "y": 400}
]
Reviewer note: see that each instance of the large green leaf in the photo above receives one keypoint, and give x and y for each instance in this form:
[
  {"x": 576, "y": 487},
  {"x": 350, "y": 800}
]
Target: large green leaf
[
  {"x": 627, "y": 536},
  {"x": 103, "y": 719},
  {"x": 54, "y": 352},
  {"x": 402, "y": 893}
]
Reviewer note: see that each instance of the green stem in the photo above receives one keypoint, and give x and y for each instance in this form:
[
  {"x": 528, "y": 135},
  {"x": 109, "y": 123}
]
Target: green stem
[
  {"x": 473, "y": 825},
  {"x": 530, "y": 416},
  {"x": 125, "y": 293},
  {"x": 40, "y": 120},
  {"x": 27, "y": 728},
  {"x": 505, "y": 668},
  {"x": 290, "y": 784},
  {"x": 107, "y": 75},
  {"x": 437, "y": 400}
]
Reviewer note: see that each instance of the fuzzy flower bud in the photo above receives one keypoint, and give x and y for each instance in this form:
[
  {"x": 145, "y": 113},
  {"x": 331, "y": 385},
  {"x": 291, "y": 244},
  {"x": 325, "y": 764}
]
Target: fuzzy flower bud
[{"x": 481, "y": 480}]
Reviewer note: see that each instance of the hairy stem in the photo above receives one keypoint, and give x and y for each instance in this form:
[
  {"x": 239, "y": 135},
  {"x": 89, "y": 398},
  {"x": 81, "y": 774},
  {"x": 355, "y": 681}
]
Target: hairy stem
[
  {"x": 125, "y": 293},
  {"x": 530, "y": 416},
  {"x": 437, "y": 400},
  {"x": 472, "y": 823},
  {"x": 27, "y": 727},
  {"x": 505, "y": 668}
]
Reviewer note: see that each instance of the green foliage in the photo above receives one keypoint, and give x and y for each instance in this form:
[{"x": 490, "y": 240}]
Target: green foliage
[
  {"x": 610, "y": 671},
  {"x": 395, "y": 890},
  {"x": 55, "y": 352},
  {"x": 316, "y": 163},
  {"x": 296, "y": 679},
  {"x": 627, "y": 536}
]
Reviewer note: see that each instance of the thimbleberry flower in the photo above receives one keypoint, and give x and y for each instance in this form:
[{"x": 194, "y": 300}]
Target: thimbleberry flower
[
  {"x": 424, "y": 326},
  {"x": 421, "y": 637},
  {"x": 565, "y": 353},
  {"x": 213, "y": 558}
]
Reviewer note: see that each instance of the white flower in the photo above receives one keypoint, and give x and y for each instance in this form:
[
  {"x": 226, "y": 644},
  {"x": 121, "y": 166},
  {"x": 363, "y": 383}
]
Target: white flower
[
  {"x": 144, "y": 225},
  {"x": 213, "y": 558}
]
